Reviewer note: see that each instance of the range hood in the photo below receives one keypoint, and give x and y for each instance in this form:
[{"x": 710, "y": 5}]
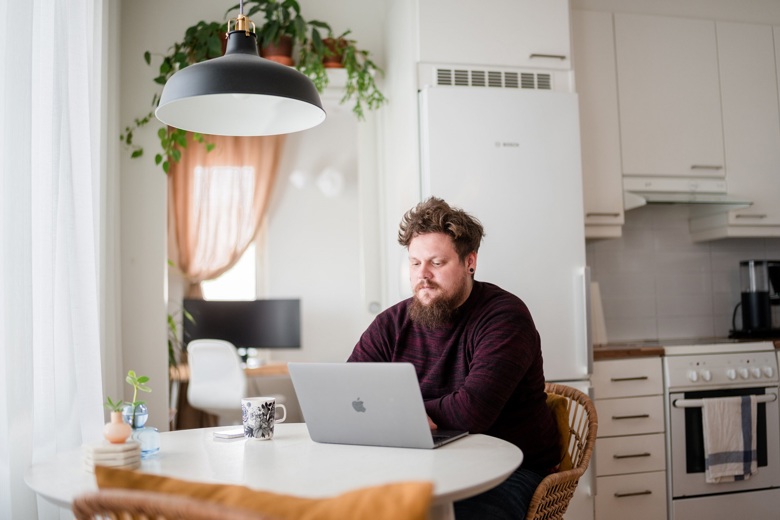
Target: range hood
[{"x": 640, "y": 191}]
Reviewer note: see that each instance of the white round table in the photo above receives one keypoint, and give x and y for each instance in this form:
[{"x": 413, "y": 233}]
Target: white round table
[{"x": 295, "y": 465}]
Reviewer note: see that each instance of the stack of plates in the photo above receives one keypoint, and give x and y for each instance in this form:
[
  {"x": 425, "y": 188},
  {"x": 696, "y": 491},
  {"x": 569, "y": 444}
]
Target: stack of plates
[{"x": 127, "y": 455}]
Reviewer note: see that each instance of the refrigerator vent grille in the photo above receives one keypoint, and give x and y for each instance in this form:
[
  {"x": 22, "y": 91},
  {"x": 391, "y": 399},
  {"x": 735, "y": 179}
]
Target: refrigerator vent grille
[{"x": 493, "y": 78}]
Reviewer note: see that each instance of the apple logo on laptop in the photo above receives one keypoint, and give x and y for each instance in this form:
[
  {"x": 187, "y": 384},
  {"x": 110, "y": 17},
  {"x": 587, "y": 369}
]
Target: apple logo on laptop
[{"x": 358, "y": 405}]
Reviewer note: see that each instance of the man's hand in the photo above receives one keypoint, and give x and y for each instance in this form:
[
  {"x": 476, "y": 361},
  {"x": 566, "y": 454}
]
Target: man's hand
[{"x": 432, "y": 424}]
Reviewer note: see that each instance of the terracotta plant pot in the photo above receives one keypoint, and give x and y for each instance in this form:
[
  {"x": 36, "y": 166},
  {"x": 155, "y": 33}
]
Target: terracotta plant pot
[
  {"x": 280, "y": 52},
  {"x": 333, "y": 60},
  {"x": 117, "y": 431}
]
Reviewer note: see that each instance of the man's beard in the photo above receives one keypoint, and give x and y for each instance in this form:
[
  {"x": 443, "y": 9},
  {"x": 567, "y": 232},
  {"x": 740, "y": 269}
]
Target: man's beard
[{"x": 439, "y": 311}]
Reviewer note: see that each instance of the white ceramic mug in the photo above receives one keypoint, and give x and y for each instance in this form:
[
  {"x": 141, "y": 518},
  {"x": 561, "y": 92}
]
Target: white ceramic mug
[{"x": 259, "y": 416}]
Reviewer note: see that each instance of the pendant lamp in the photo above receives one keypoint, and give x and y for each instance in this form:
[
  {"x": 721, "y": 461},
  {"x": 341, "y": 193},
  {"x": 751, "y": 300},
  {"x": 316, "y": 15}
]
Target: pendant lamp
[{"x": 240, "y": 93}]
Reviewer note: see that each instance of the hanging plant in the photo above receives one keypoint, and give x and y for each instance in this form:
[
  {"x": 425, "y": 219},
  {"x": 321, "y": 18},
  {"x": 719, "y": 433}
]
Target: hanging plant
[{"x": 281, "y": 19}]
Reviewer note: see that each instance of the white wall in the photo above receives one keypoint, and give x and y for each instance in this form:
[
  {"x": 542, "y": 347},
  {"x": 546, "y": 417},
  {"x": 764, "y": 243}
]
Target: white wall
[{"x": 312, "y": 247}]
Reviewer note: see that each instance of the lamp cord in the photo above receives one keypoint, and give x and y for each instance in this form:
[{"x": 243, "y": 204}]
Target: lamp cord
[{"x": 241, "y": 7}]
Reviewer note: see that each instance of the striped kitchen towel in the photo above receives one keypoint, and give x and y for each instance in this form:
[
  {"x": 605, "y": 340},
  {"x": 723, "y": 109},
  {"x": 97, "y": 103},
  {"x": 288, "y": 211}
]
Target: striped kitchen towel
[{"x": 729, "y": 438}]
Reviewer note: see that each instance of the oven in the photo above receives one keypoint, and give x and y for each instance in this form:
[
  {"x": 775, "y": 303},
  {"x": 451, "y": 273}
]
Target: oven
[{"x": 697, "y": 372}]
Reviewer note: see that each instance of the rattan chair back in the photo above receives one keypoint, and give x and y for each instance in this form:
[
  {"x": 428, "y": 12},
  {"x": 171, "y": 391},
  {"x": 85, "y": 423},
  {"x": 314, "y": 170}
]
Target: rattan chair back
[{"x": 552, "y": 497}]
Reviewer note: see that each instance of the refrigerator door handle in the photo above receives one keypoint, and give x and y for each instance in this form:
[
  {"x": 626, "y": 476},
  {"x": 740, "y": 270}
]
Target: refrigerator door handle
[{"x": 587, "y": 307}]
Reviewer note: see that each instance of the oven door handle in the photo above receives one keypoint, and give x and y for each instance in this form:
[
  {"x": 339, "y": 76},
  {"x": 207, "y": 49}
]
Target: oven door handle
[{"x": 698, "y": 403}]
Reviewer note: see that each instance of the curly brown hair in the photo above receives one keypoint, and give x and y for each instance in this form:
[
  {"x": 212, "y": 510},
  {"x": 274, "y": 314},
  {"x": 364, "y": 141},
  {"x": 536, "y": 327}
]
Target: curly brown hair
[{"x": 436, "y": 216}]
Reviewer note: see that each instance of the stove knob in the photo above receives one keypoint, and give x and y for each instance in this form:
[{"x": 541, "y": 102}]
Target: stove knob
[
  {"x": 756, "y": 372},
  {"x": 769, "y": 371},
  {"x": 731, "y": 374},
  {"x": 706, "y": 375},
  {"x": 743, "y": 373},
  {"x": 693, "y": 376}
]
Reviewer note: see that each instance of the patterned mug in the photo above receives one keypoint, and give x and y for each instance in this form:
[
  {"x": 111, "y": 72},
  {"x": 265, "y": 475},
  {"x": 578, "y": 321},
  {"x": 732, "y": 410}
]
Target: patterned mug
[{"x": 259, "y": 416}]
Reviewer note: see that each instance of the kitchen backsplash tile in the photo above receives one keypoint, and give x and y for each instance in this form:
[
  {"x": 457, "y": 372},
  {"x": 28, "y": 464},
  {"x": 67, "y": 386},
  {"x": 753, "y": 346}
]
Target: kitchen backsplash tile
[
  {"x": 629, "y": 329},
  {"x": 630, "y": 307},
  {"x": 656, "y": 284}
]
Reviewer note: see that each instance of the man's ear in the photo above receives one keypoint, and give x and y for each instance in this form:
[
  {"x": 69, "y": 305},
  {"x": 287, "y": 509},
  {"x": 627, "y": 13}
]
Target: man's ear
[{"x": 471, "y": 262}]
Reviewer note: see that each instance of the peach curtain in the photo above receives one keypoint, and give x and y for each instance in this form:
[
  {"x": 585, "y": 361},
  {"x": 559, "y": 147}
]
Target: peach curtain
[{"x": 217, "y": 200}]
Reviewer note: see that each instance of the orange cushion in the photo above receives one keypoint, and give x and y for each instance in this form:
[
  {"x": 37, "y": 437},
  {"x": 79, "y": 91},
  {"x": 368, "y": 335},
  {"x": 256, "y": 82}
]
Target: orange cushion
[
  {"x": 558, "y": 405},
  {"x": 407, "y": 500}
]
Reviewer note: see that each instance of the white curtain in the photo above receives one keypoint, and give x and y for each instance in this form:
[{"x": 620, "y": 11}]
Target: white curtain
[{"x": 50, "y": 129}]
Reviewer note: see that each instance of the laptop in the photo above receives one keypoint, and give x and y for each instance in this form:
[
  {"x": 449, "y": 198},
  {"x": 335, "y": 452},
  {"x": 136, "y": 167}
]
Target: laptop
[{"x": 372, "y": 404}]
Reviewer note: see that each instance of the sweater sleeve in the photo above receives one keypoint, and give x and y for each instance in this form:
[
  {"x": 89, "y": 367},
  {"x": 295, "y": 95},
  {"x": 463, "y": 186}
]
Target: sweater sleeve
[
  {"x": 374, "y": 344},
  {"x": 505, "y": 349}
]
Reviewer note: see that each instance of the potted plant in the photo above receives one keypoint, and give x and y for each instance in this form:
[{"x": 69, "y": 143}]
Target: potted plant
[
  {"x": 116, "y": 431},
  {"x": 201, "y": 41},
  {"x": 343, "y": 52},
  {"x": 282, "y": 29},
  {"x": 136, "y": 413},
  {"x": 281, "y": 19}
]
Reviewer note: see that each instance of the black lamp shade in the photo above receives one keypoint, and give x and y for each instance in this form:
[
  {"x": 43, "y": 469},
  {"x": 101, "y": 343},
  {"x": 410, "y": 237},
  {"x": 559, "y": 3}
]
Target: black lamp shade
[{"x": 240, "y": 93}]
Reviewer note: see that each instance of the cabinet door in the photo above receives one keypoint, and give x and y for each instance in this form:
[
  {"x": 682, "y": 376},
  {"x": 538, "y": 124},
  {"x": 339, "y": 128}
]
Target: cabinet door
[
  {"x": 630, "y": 416},
  {"x": 523, "y": 33},
  {"x": 593, "y": 51},
  {"x": 638, "y": 497},
  {"x": 627, "y": 378},
  {"x": 669, "y": 98},
  {"x": 751, "y": 120},
  {"x": 630, "y": 454}
]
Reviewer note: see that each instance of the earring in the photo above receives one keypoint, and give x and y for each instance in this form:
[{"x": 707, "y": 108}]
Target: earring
[{"x": 471, "y": 270}]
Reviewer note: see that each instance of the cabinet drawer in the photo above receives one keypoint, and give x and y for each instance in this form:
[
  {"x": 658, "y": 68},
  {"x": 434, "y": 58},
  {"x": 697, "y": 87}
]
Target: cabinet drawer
[
  {"x": 631, "y": 454},
  {"x": 632, "y": 416},
  {"x": 627, "y": 377},
  {"x": 638, "y": 497}
]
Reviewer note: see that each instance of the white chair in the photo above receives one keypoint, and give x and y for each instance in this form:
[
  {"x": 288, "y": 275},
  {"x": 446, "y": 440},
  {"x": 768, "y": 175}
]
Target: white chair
[{"x": 217, "y": 381}]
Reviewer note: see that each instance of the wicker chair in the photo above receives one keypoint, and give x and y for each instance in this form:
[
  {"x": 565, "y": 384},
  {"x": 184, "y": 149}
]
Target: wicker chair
[
  {"x": 552, "y": 497},
  {"x": 127, "y": 504}
]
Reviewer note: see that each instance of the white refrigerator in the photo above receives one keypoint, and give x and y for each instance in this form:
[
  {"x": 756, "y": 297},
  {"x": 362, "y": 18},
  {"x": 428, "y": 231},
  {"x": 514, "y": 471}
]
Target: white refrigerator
[{"x": 511, "y": 158}]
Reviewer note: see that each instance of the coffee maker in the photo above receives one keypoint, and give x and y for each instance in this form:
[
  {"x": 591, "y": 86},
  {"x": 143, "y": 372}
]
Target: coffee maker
[{"x": 759, "y": 299}]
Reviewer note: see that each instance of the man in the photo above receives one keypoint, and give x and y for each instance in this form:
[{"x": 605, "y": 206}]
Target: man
[{"x": 475, "y": 349}]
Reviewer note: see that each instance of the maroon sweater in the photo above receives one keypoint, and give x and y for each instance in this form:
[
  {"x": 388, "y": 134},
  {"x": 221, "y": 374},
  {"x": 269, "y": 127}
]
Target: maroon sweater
[{"x": 481, "y": 373}]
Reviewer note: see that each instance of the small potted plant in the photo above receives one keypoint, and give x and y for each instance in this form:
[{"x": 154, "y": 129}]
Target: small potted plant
[
  {"x": 116, "y": 431},
  {"x": 283, "y": 28},
  {"x": 343, "y": 52},
  {"x": 136, "y": 413}
]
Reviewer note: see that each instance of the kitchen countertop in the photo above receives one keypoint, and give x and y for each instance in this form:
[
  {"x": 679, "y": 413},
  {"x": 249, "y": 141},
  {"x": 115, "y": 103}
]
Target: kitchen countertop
[{"x": 655, "y": 348}]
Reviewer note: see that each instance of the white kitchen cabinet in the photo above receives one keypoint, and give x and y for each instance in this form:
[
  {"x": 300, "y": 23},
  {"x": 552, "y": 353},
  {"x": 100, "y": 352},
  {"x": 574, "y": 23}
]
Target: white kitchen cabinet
[
  {"x": 510, "y": 33},
  {"x": 593, "y": 50},
  {"x": 637, "y": 497},
  {"x": 630, "y": 454},
  {"x": 669, "y": 96},
  {"x": 751, "y": 127}
]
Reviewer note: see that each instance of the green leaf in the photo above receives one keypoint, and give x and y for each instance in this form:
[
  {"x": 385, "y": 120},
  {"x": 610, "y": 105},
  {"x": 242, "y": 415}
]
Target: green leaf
[
  {"x": 215, "y": 47},
  {"x": 158, "y": 159},
  {"x": 148, "y": 57},
  {"x": 162, "y": 133},
  {"x": 137, "y": 153},
  {"x": 166, "y": 167}
]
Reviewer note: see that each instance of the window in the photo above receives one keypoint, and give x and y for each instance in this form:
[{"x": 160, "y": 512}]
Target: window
[{"x": 236, "y": 284}]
